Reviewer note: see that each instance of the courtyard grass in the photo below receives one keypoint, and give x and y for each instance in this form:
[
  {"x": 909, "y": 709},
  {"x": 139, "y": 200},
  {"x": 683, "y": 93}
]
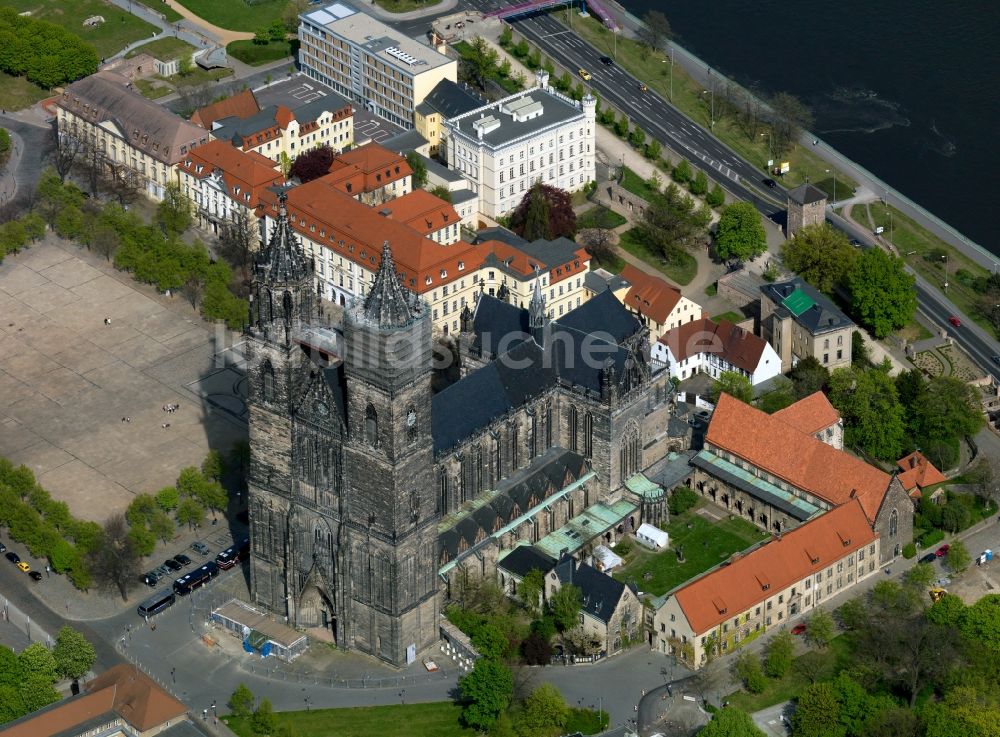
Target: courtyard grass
[
  {"x": 237, "y": 15},
  {"x": 120, "y": 28},
  {"x": 794, "y": 683},
  {"x": 599, "y": 217},
  {"x": 632, "y": 182},
  {"x": 256, "y": 54},
  {"x": 613, "y": 263},
  {"x": 681, "y": 270},
  {"x": 17, "y": 93},
  {"x": 164, "y": 49},
  {"x": 437, "y": 719},
  {"x": 688, "y": 96},
  {"x": 732, "y": 316},
  {"x": 705, "y": 545}
]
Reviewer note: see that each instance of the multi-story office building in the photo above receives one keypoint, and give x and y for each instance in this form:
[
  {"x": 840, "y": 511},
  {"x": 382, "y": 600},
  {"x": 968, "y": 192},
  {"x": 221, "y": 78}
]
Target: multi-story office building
[
  {"x": 537, "y": 135},
  {"x": 800, "y": 322},
  {"x": 369, "y": 62}
]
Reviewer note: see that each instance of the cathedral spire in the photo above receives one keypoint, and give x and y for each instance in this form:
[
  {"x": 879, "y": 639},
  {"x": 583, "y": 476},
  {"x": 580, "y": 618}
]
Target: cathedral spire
[
  {"x": 536, "y": 307},
  {"x": 283, "y": 260},
  {"x": 387, "y": 305}
]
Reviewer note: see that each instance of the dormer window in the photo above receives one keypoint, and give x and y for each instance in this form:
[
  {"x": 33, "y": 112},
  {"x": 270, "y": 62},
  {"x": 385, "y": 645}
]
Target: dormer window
[
  {"x": 461, "y": 266},
  {"x": 444, "y": 274},
  {"x": 427, "y": 280}
]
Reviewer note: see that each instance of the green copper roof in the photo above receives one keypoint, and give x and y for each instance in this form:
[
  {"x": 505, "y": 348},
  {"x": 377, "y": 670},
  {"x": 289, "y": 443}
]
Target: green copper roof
[
  {"x": 593, "y": 521},
  {"x": 798, "y": 302},
  {"x": 642, "y": 486}
]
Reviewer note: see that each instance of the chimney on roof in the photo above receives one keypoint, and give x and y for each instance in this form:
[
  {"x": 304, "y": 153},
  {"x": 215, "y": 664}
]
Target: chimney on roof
[{"x": 854, "y": 493}]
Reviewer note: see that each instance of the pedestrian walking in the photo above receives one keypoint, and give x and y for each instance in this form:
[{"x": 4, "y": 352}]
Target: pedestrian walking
[{"x": 123, "y": 420}]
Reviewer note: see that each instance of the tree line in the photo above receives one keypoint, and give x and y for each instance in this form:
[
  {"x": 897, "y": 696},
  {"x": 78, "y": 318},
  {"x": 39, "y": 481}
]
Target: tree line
[{"x": 41, "y": 51}]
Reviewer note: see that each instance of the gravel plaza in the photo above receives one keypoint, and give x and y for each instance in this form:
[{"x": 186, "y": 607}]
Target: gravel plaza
[{"x": 81, "y": 398}]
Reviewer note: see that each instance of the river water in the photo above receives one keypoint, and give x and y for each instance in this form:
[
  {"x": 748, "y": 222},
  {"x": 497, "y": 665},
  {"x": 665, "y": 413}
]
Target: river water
[{"x": 910, "y": 89}]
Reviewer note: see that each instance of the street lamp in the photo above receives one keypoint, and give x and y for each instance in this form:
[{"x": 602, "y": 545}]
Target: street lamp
[
  {"x": 944, "y": 258},
  {"x": 770, "y": 153},
  {"x": 834, "y": 172}
]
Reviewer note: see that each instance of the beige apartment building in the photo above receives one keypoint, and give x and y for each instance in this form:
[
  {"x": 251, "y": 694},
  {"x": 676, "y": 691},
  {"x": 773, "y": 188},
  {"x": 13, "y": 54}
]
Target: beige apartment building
[
  {"x": 369, "y": 62},
  {"x": 800, "y": 322},
  {"x": 131, "y": 135}
]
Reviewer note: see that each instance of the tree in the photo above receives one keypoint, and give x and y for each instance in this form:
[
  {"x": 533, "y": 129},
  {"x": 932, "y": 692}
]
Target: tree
[
  {"x": 507, "y": 38},
  {"x": 981, "y": 623},
  {"x": 817, "y": 712},
  {"x": 442, "y": 193},
  {"x": 34, "y": 226},
  {"x": 142, "y": 539},
  {"x": 653, "y": 149},
  {"x": 734, "y": 384},
  {"x": 168, "y": 498},
  {"x": 682, "y": 172},
  {"x": 637, "y": 137},
  {"x": 478, "y": 65},
  {"x": 919, "y": 577},
  {"x": 958, "y": 556},
  {"x": 544, "y": 212},
  {"x": 740, "y": 234},
  {"x": 655, "y": 30},
  {"x": 947, "y": 408},
  {"x": 730, "y": 722},
  {"x": 290, "y": 15},
  {"x": 791, "y": 116},
  {"x": 873, "y": 417},
  {"x": 716, "y": 196},
  {"x": 565, "y": 606},
  {"x": 883, "y": 296},
  {"x": 36, "y": 660},
  {"x": 262, "y": 36},
  {"x": 949, "y": 611},
  {"x": 599, "y": 243},
  {"x": 811, "y": 665},
  {"x": 12, "y": 237},
  {"x": 73, "y": 653},
  {"x": 161, "y": 526},
  {"x": 782, "y": 395},
  {"x": 115, "y": 560},
  {"x": 749, "y": 671},
  {"x": 105, "y": 241},
  {"x": 672, "y": 223},
  {"x": 621, "y": 125},
  {"x": 821, "y": 255},
  {"x": 964, "y": 711},
  {"x": 820, "y": 629},
  {"x": 894, "y": 722},
  {"x": 531, "y": 589},
  {"x": 140, "y": 510},
  {"x": 312, "y": 164},
  {"x": 416, "y": 162},
  {"x": 241, "y": 702},
  {"x": 536, "y": 650},
  {"x": 681, "y": 500},
  {"x": 699, "y": 185},
  {"x": 211, "y": 467},
  {"x": 190, "y": 512},
  {"x": 544, "y": 711},
  {"x": 486, "y": 691},
  {"x": 778, "y": 654},
  {"x": 490, "y": 641},
  {"x": 264, "y": 721}
]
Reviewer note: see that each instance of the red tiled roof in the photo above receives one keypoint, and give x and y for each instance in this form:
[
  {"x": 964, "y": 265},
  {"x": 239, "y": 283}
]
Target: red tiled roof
[
  {"x": 916, "y": 472},
  {"x": 248, "y": 170},
  {"x": 813, "y": 546},
  {"x": 241, "y": 105},
  {"x": 421, "y": 210},
  {"x": 735, "y": 345},
  {"x": 797, "y": 457},
  {"x": 810, "y": 414},
  {"x": 62, "y": 717},
  {"x": 649, "y": 296},
  {"x": 378, "y": 166}
]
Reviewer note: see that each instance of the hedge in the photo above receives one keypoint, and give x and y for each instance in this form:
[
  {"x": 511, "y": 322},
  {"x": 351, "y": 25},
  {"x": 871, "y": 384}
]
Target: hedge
[{"x": 932, "y": 537}]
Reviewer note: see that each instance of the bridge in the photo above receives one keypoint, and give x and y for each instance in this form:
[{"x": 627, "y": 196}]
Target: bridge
[{"x": 534, "y": 6}]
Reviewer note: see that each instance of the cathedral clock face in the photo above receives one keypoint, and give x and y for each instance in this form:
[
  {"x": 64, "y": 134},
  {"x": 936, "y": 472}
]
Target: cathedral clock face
[
  {"x": 321, "y": 409},
  {"x": 411, "y": 418}
]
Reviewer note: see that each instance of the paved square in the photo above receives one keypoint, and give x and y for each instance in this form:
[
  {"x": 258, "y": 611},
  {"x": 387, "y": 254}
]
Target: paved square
[{"x": 67, "y": 380}]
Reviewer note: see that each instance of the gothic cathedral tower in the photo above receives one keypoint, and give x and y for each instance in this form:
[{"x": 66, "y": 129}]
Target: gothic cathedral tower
[{"x": 390, "y": 507}]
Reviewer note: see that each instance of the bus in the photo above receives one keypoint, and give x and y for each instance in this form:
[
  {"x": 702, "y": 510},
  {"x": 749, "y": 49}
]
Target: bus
[
  {"x": 233, "y": 554},
  {"x": 156, "y": 603},
  {"x": 196, "y": 579}
]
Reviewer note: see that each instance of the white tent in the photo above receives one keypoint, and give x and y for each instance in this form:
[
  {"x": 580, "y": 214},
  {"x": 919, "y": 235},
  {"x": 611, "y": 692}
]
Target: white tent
[
  {"x": 605, "y": 559},
  {"x": 652, "y": 537}
]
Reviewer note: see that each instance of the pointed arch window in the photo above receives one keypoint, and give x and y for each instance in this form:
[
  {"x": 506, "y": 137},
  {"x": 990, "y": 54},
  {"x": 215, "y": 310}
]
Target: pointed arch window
[
  {"x": 893, "y": 523},
  {"x": 371, "y": 426},
  {"x": 572, "y": 430},
  {"x": 588, "y": 435},
  {"x": 267, "y": 382},
  {"x": 287, "y": 307}
]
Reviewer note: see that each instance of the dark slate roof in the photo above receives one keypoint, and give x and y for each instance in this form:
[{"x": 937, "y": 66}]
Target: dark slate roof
[
  {"x": 404, "y": 142},
  {"x": 559, "y": 251},
  {"x": 822, "y": 317},
  {"x": 387, "y": 304},
  {"x": 597, "y": 283},
  {"x": 500, "y": 234},
  {"x": 806, "y": 194},
  {"x": 603, "y": 313},
  {"x": 440, "y": 170},
  {"x": 450, "y": 99},
  {"x": 525, "y": 558},
  {"x": 283, "y": 260},
  {"x": 546, "y": 475},
  {"x": 231, "y": 127},
  {"x": 599, "y": 592},
  {"x": 463, "y": 195},
  {"x": 495, "y": 320}
]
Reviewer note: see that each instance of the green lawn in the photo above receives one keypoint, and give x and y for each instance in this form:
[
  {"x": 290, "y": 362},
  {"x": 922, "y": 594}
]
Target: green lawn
[
  {"x": 732, "y": 316},
  {"x": 152, "y": 90},
  {"x": 615, "y": 264},
  {"x": 159, "y": 6},
  {"x": 256, "y": 54},
  {"x": 17, "y": 93},
  {"x": 237, "y": 15},
  {"x": 403, "y": 6},
  {"x": 164, "y": 49},
  {"x": 680, "y": 271},
  {"x": 199, "y": 76},
  {"x": 118, "y": 31},
  {"x": 705, "y": 545},
  {"x": 688, "y": 97},
  {"x": 635, "y": 184},
  {"x": 439, "y": 719},
  {"x": 599, "y": 217},
  {"x": 792, "y": 684},
  {"x": 916, "y": 244}
]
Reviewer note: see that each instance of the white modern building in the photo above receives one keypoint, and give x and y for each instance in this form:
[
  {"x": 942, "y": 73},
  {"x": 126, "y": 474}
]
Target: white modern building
[
  {"x": 537, "y": 135},
  {"x": 370, "y": 63},
  {"x": 714, "y": 347}
]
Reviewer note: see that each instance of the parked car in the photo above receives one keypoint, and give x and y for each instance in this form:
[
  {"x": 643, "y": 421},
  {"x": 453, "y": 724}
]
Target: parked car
[
  {"x": 955, "y": 320},
  {"x": 200, "y": 547},
  {"x": 3, "y": 548},
  {"x": 162, "y": 570},
  {"x": 35, "y": 575},
  {"x": 798, "y": 629},
  {"x": 607, "y": 61},
  {"x": 24, "y": 566},
  {"x": 929, "y": 558},
  {"x": 151, "y": 578},
  {"x": 942, "y": 551},
  {"x": 172, "y": 564},
  {"x": 13, "y": 557},
  {"x": 182, "y": 559},
  {"x": 770, "y": 183}
]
